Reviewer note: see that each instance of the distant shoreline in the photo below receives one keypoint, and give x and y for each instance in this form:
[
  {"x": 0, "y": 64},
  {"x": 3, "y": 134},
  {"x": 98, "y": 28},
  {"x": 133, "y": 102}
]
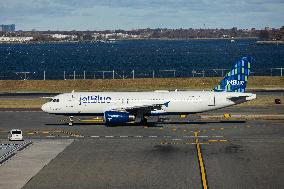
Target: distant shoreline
[
  {"x": 130, "y": 39},
  {"x": 270, "y": 42},
  {"x": 177, "y": 39}
]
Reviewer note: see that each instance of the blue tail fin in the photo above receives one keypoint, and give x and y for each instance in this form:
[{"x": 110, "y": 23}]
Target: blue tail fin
[{"x": 236, "y": 79}]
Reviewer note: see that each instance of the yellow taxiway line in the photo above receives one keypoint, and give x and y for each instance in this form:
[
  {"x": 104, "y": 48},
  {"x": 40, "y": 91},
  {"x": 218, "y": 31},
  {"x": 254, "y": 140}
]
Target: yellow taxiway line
[
  {"x": 93, "y": 120},
  {"x": 201, "y": 164}
]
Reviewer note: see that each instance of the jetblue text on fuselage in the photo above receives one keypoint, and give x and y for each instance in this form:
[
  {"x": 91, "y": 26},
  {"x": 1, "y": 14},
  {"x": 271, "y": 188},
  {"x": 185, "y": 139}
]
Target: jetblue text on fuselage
[
  {"x": 235, "y": 82},
  {"x": 94, "y": 99}
]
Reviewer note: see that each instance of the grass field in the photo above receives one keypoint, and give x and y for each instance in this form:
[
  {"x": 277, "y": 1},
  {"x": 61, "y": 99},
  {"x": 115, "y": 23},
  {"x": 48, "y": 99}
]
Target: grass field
[
  {"x": 37, "y": 103},
  {"x": 131, "y": 84},
  {"x": 33, "y": 103}
]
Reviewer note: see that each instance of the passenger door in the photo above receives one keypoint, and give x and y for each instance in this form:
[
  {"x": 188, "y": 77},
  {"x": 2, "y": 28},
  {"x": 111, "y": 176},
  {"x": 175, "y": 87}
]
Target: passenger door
[{"x": 211, "y": 100}]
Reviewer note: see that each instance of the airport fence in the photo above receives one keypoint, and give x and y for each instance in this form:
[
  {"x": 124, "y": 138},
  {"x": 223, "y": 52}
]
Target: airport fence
[{"x": 126, "y": 74}]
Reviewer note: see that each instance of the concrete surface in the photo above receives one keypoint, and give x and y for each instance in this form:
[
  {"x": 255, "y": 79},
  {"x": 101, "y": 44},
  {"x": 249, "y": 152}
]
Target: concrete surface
[{"x": 18, "y": 170}]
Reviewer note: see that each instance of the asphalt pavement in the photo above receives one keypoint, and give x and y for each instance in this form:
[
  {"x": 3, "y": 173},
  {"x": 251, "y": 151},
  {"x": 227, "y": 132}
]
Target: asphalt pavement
[{"x": 175, "y": 154}]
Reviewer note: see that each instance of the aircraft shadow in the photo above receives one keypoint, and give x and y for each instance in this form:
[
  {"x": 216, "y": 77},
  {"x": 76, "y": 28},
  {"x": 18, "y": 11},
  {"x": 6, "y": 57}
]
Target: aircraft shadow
[
  {"x": 152, "y": 124},
  {"x": 102, "y": 124},
  {"x": 202, "y": 122}
]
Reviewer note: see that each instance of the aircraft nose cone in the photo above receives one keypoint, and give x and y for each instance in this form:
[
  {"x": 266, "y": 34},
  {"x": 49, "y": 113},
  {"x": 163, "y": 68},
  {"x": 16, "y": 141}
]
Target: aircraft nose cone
[{"x": 44, "y": 108}]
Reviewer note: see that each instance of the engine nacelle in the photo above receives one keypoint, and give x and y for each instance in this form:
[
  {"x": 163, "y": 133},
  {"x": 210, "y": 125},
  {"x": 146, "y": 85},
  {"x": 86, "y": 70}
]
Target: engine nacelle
[{"x": 114, "y": 118}]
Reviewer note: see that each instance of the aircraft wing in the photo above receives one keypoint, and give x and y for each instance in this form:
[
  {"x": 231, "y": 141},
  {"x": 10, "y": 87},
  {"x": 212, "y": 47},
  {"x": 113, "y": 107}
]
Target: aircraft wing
[{"x": 142, "y": 107}]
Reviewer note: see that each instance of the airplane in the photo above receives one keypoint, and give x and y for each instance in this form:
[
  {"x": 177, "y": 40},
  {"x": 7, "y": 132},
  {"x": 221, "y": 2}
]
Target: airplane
[{"x": 119, "y": 108}]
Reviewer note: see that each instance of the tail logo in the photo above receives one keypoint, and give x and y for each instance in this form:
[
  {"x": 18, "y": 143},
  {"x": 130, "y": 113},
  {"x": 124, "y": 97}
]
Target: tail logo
[
  {"x": 236, "y": 79},
  {"x": 235, "y": 82}
]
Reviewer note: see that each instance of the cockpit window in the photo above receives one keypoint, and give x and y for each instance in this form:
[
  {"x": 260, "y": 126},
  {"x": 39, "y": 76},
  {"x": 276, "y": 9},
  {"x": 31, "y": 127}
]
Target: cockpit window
[{"x": 54, "y": 100}]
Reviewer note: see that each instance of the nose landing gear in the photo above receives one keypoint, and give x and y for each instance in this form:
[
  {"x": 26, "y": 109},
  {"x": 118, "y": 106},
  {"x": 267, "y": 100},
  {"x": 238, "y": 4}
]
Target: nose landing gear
[{"x": 71, "y": 121}]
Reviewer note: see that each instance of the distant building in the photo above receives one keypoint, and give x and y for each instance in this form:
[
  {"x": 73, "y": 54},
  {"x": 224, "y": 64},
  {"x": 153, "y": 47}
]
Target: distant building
[
  {"x": 8, "y": 28},
  {"x": 267, "y": 28},
  {"x": 234, "y": 29},
  {"x": 15, "y": 39},
  {"x": 61, "y": 36}
]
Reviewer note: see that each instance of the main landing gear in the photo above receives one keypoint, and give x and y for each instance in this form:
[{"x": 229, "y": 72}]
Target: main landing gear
[
  {"x": 71, "y": 121},
  {"x": 144, "y": 121}
]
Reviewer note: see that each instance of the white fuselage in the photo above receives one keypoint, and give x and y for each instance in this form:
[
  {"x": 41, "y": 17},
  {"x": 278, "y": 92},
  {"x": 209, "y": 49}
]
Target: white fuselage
[{"x": 80, "y": 103}]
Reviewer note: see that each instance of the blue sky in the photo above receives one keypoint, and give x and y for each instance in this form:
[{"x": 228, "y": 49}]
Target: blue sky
[{"x": 134, "y": 14}]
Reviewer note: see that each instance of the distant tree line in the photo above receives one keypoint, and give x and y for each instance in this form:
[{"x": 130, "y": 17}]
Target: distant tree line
[
  {"x": 272, "y": 34},
  {"x": 159, "y": 33}
]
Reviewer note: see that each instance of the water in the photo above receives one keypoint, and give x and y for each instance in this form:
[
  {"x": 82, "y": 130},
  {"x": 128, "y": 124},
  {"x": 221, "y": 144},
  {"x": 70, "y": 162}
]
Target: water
[{"x": 143, "y": 56}]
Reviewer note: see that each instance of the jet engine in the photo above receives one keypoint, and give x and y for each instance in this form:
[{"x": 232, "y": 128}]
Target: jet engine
[{"x": 116, "y": 117}]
